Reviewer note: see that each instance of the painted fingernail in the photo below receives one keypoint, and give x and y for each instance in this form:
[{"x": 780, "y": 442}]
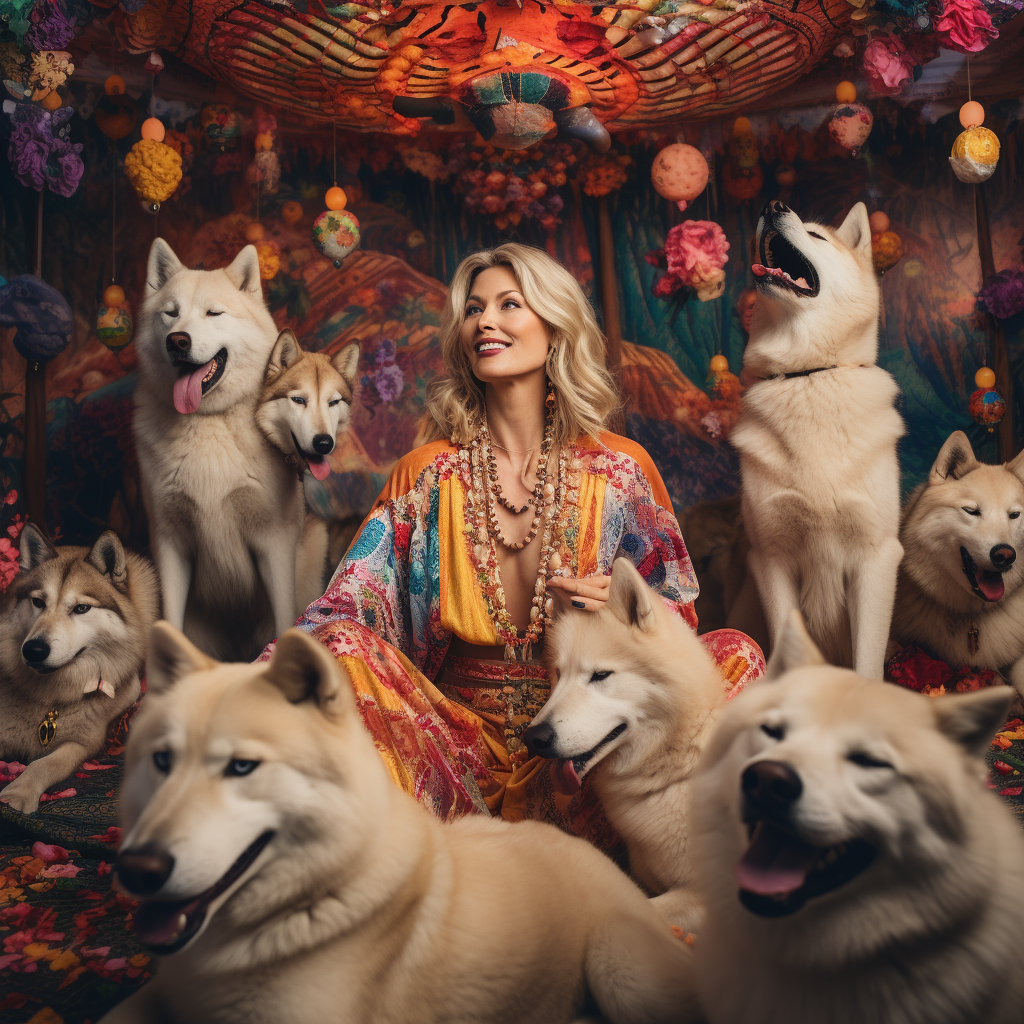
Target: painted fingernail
[{"x": 578, "y": 604}]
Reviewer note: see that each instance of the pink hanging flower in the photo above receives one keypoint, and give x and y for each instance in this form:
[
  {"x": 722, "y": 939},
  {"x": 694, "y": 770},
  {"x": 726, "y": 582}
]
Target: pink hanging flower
[
  {"x": 966, "y": 26},
  {"x": 887, "y": 62},
  {"x": 695, "y": 250}
]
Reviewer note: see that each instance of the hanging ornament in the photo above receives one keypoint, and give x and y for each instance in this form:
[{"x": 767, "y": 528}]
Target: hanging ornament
[
  {"x": 976, "y": 149},
  {"x": 115, "y": 114},
  {"x": 850, "y": 123},
  {"x": 336, "y": 233},
  {"x": 153, "y": 129},
  {"x": 114, "y": 319},
  {"x": 291, "y": 212},
  {"x": 886, "y": 245},
  {"x": 986, "y": 405},
  {"x": 679, "y": 173},
  {"x": 154, "y": 169},
  {"x": 269, "y": 255},
  {"x": 742, "y": 176},
  {"x": 220, "y": 124}
]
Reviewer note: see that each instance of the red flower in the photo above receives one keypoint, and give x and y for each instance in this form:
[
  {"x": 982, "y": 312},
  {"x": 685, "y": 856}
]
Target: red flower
[{"x": 966, "y": 25}]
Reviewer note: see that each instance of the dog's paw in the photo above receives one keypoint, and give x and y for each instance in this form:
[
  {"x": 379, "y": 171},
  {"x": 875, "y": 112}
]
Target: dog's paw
[{"x": 23, "y": 798}]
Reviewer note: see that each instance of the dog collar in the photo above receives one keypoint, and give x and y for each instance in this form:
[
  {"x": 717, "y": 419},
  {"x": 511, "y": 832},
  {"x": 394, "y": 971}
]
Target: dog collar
[{"x": 807, "y": 373}]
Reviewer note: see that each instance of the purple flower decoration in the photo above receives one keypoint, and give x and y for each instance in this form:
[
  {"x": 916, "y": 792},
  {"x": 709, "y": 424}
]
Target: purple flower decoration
[
  {"x": 1003, "y": 294},
  {"x": 39, "y": 152},
  {"x": 389, "y": 381},
  {"x": 51, "y": 26},
  {"x": 385, "y": 352}
]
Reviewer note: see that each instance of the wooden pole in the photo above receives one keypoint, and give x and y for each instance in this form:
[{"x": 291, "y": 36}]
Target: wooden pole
[
  {"x": 34, "y": 479},
  {"x": 610, "y": 304},
  {"x": 1000, "y": 359}
]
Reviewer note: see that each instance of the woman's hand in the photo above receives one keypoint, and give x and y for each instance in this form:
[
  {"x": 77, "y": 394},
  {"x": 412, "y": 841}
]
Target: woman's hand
[{"x": 590, "y": 593}]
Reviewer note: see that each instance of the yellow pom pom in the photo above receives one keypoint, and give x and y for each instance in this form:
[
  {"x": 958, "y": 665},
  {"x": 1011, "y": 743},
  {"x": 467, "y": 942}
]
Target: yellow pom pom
[
  {"x": 154, "y": 170},
  {"x": 985, "y": 378}
]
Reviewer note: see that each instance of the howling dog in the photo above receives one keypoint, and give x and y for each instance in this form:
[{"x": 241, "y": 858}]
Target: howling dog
[
  {"x": 76, "y": 623},
  {"x": 960, "y": 594},
  {"x": 307, "y": 402},
  {"x": 635, "y": 697},
  {"x": 854, "y": 863},
  {"x": 237, "y": 559},
  {"x": 817, "y": 439},
  {"x": 285, "y": 878}
]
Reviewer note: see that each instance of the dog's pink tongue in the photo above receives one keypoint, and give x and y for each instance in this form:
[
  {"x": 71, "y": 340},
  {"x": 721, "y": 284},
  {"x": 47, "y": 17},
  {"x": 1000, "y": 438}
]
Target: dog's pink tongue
[
  {"x": 564, "y": 777},
  {"x": 991, "y": 584},
  {"x": 188, "y": 389},
  {"x": 319, "y": 468},
  {"x": 156, "y": 923},
  {"x": 774, "y": 862}
]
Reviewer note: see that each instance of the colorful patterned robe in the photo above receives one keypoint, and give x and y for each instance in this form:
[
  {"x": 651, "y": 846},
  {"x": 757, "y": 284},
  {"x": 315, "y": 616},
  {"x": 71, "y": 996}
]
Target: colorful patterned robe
[{"x": 410, "y": 582}]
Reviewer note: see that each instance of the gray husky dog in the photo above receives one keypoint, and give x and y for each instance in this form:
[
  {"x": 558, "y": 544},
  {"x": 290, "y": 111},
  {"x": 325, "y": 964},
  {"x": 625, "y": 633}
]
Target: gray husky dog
[{"x": 75, "y": 625}]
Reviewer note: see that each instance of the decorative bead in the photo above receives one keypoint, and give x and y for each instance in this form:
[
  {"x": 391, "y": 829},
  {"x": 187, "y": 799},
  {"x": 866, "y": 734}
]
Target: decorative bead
[{"x": 555, "y": 561}]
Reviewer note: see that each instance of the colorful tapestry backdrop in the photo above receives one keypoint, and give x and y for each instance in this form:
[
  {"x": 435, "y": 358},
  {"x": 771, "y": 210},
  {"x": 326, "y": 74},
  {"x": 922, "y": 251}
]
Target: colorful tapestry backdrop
[{"x": 389, "y": 294}]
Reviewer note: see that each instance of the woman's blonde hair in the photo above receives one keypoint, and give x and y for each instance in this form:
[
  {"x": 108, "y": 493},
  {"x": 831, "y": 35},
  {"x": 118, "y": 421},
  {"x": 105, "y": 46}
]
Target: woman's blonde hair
[{"x": 586, "y": 396}]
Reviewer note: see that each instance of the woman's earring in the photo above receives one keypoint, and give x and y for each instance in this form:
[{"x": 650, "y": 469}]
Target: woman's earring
[{"x": 551, "y": 401}]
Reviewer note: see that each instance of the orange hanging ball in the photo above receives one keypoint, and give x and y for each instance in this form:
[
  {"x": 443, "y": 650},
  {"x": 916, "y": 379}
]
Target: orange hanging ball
[
  {"x": 291, "y": 212},
  {"x": 972, "y": 114},
  {"x": 879, "y": 222},
  {"x": 719, "y": 364},
  {"x": 113, "y": 295},
  {"x": 114, "y": 86},
  {"x": 742, "y": 126},
  {"x": 985, "y": 378},
  {"x": 254, "y": 232},
  {"x": 52, "y": 100},
  {"x": 335, "y": 198},
  {"x": 153, "y": 128},
  {"x": 846, "y": 92}
]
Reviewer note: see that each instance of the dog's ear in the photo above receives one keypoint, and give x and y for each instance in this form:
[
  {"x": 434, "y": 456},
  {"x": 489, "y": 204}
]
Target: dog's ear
[
  {"x": 108, "y": 557},
  {"x": 286, "y": 353},
  {"x": 346, "y": 363},
  {"x": 855, "y": 231},
  {"x": 629, "y": 598},
  {"x": 245, "y": 271},
  {"x": 955, "y": 459},
  {"x": 1016, "y": 466},
  {"x": 795, "y": 650},
  {"x": 303, "y": 669},
  {"x": 171, "y": 656},
  {"x": 163, "y": 265},
  {"x": 35, "y": 548},
  {"x": 972, "y": 719}
]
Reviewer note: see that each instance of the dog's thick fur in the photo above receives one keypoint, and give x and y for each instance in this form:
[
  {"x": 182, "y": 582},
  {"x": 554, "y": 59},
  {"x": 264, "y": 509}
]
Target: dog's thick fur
[
  {"x": 85, "y": 614},
  {"x": 306, "y": 402},
  {"x": 821, "y": 499},
  {"x": 345, "y": 900},
  {"x": 950, "y": 589},
  {"x": 635, "y": 698},
  {"x": 814, "y": 774},
  {"x": 226, "y": 513}
]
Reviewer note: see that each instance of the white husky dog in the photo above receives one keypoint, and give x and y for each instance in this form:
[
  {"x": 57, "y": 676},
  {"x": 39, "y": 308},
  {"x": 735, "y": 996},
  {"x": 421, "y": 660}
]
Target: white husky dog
[
  {"x": 285, "y": 878},
  {"x": 226, "y": 514},
  {"x": 960, "y": 595},
  {"x": 856, "y": 868},
  {"x": 817, "y": 439},
  {"x": 635, "y": 698}
]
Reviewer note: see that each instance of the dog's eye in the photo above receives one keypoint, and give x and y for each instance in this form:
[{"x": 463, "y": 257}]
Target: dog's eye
[
  {"x": 236, "y": 766},
  {"x": 596, "y": 677},
  {"x": 814, "y": 234},
  {"x": 971, "y": 511},
  {"x": 333, "y": 402},
  {"x": 214, "y": 312},
  {"x": 81, "y": 609},
  {"x": 777, "y": 732},
  {"x": 38, "y": 602},
  {"x": 172, "y": 313},
  {"x": 1014, "y": 515},
  {"x": 858, "y": 757},
  {"x": 162, "y": 761},
  {"x": 298, "y": 400}
]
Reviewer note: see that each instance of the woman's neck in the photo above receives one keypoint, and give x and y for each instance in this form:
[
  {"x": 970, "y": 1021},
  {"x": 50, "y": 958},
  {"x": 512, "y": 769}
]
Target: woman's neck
[{"x": 515, "y": 412}]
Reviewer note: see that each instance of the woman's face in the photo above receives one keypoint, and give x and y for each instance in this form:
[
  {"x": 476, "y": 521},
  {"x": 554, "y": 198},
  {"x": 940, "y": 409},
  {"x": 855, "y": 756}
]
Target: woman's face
[{"x": 501, "y": 335}]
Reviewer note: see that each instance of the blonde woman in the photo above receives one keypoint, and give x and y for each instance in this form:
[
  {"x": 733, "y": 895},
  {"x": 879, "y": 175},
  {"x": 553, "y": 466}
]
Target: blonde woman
[{"x": 438, "y": 610}]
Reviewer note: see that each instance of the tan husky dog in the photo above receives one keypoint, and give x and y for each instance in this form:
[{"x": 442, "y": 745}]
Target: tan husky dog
[
  {"x": 960, "y": 595},
  {"x": 855, "y": 866},
  {"x": 306, "y": 402},
  {"x": 635, "y": 698},
  {"x": 285, "y": 878},
  {"x": 75, "y": 624}
]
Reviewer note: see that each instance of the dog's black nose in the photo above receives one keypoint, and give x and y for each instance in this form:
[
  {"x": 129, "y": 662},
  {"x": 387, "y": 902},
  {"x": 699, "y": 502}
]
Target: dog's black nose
[
  {"x": 777, "y": 206},
  {"x": 323, "y": 444},
  {"x": 540, "y": 740},
  {"x": 145, "y": 869},
  {"x": 771, "y": 785},
  {"x": 1003, "y": 556},
  {"x": 36, "y": 650},
  {"x": 178, "y": 342}
]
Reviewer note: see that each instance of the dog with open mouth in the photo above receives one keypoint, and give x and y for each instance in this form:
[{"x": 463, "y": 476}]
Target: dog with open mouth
[
  {"x": 855, "y": 865},
  {"x": 817, "y": 440},
  {"x": 283, "y": 877},
  {"x": 960, "y": 596},
  {"x": 237, "y": 559},
  {"x": 635, "y": 697},
  {"x": 74, "y": 624}
]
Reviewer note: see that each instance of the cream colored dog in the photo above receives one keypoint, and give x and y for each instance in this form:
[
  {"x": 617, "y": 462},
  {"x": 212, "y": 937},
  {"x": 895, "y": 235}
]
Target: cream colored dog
[
  {"x": 635, "y": 699},
  {"x": 284, "y": 877},
  {"x": 855, "y": 866}
]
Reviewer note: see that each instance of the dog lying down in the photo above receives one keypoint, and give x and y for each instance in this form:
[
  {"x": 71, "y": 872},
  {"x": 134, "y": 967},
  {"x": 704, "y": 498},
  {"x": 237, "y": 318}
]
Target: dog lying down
[
  {"x": 284, "y": 877},
  {"x": 854, "y": 865}
]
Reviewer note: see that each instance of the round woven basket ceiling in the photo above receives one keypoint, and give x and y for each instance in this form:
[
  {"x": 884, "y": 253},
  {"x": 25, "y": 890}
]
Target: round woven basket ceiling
[{"x": 509, "y": 70}]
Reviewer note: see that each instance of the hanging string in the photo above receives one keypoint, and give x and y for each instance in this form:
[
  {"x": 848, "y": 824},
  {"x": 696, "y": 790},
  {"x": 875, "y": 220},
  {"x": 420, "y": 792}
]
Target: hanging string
[
  {"x": 334, "y": 129},
  {"x": 113, "y": 213},
  {"x": 968, "y": 79}
]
